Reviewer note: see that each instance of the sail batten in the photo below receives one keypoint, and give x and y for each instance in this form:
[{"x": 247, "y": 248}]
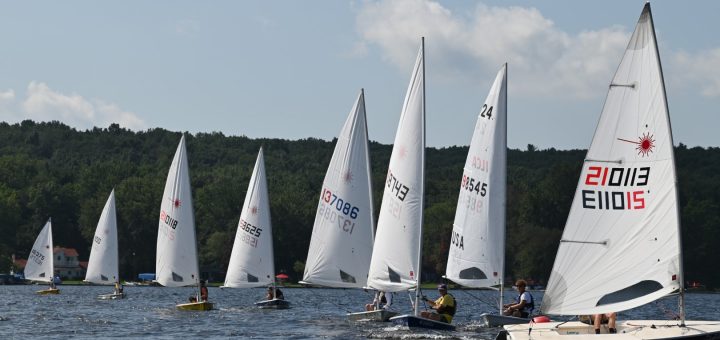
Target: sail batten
[
  {"x": 251, "y": 261},
  {"x": 631, "y": 203},
  {"x": 342, "y": 238}
]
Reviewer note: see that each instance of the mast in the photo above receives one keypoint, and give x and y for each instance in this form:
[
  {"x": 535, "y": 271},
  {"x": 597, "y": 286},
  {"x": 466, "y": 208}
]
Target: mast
[
  {"x": 192, "y": 213},
  {"x": 52, "y": 254},
  {"x": 504, "y": 202},
  {"x": 422, "y": 187},
  {"x": 681, "y": 272},
  {"x": 367, "y": 162}
]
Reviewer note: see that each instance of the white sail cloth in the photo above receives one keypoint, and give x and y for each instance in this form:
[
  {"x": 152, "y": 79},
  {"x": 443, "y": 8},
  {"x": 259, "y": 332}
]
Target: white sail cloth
[
  {"x": 621, "y": 247},
  {"x": 251, "y": 261},
  {"x": 477, "y": 249},
  {"x": 396, "y": 254},
  {"x": 103, "y": 263},
  {"x": 342, "y": 238},
  {"x": 40, "y": 263},
  {"x": 176, "y": 262}
]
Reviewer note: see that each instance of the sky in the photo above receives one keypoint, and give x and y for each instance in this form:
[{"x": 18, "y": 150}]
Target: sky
[{"x": 293, "y": 69}]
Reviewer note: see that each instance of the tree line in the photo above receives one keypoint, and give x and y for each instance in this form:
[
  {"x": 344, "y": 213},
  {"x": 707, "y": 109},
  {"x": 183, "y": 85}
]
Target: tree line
[{"x": 52, "y": 170}]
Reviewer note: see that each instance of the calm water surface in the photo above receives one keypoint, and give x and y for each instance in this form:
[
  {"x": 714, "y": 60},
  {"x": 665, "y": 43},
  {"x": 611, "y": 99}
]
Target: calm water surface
[{"x": 149, "y": 312}]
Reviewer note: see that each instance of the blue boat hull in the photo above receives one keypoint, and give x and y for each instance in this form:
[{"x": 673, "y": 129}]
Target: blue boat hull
[{"x": 412, "y": 321}]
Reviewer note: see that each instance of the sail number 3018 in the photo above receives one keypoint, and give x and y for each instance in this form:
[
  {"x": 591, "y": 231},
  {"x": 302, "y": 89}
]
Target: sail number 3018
[{"x": 339, "y": 204}]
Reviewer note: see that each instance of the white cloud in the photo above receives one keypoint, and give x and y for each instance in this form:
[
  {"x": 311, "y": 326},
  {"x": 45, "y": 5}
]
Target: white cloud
[
  {"x": 543, "y": 59},
  {"x": 701, "y": 71},
  {"x": 44, "y": 104}
]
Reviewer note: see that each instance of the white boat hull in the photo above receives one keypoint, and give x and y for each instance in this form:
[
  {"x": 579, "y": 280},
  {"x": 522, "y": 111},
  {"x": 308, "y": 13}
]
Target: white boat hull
[
  {"x": 630, "y": 329},
  {"x": 495, "y": 320},
  {"x": 111, "y": 296},
  {"x": 375, "y": 315}
]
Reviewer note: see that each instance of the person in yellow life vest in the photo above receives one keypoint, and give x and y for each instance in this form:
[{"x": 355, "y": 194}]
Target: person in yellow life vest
[{"x": 444, "y": 306}]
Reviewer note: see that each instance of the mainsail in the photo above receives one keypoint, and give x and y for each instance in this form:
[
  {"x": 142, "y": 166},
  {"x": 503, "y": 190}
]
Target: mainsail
[
  {"x": 342, "y": 238},
  {"x": 477, "y": 249},
  {"x": 621, "y": 244},
  {"x": 395, "y": 264},
  {"x": 103, "y": 264},
  {"x": 40, "y": 263},
  {"x": 176, "y": 262},
  {"x": 251, "y": 261}
]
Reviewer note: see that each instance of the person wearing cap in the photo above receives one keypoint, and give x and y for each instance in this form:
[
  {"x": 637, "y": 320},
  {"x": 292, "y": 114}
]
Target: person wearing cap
[
  {"x": 524, "y": 304},
  {"x": 444, "y": 306}
]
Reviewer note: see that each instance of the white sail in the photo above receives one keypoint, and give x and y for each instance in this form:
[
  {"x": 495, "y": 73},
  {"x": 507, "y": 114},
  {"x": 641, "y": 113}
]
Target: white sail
[
  {"x": 40, "y": 263},
  {"x": 342, "y": 238},
  {"x": 103, "y": 264},
  {"x": 176, "y": 262},
  {"x": 620, "y": 248},
  {"x": 395, "y": 264},
  {"x": 477, "y": 249},
  {"x": 252, "y": 262}
]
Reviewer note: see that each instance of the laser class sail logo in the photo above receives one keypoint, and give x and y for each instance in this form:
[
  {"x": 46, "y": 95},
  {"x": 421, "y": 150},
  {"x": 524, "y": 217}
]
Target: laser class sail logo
[{"x": 645, "y": 144}]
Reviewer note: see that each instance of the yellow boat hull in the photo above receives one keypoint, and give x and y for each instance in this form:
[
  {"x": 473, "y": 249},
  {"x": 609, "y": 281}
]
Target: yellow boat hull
[
  {"x": 48, "y": 291},
  {"x": 196, "y": 306}
]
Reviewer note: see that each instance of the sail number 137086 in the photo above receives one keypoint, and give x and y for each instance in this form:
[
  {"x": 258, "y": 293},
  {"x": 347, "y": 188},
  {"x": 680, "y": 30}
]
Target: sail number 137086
[{"x": 341, "y": 205}]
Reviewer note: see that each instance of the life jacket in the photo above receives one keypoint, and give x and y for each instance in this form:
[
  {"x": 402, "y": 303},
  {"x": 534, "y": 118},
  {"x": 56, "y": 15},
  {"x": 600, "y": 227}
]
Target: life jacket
[
  {"x": 529, "y": 305},
  {"x": 450, "y": 310}
]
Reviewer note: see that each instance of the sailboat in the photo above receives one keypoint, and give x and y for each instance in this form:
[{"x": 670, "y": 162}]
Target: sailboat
[
  {"x": 103, "y": 264},
  {"x": 343, "y": 233},
  {"x": 396, "y": 258},
  {"x": 251, "y": 262},
  {"x": 176, "y": 261},
  {"x": 40, "y": 264},
  {"x": 621, "y": 247},
  {"x": 477, "y": 250}
]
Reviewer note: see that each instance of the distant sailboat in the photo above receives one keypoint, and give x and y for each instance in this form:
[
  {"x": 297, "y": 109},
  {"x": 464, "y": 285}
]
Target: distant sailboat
[
  {"x": 477, "y": 250},
  {"x": 621, "y": 247},
  {"x": 103, "y": 264},
  {"x": 252, "y": 261},
  {"x": 40, "y": 264},
  {"x": 342, "y": 238},
  {"x": 397, "y": 253},
  {"x": 176, "y": 262}
]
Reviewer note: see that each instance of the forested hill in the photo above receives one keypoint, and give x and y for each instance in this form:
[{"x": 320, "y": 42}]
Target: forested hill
[{"x": 51, "y": 170}]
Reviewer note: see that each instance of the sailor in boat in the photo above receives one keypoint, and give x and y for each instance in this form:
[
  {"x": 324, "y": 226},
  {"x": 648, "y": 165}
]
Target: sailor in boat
[
  {"x": 278, "y": 294},
  {"x": 382, "y": 300},
  {"x": 118, "y": 287},
  {"x": 524, "y": 303},
  {"x": 608, "y": 318},
  {"x": 444, "y": 306},
  {"x": 203, "y": 293}
]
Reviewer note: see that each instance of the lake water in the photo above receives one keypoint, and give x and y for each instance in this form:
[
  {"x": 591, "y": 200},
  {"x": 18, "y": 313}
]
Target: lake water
[{"x": 149, "y": 312}]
